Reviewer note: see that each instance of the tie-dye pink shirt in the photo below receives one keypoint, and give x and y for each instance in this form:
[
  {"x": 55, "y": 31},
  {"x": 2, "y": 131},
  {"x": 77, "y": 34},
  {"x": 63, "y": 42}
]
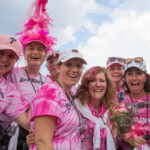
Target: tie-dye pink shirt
[
  {"x": 19, "y": 77},
  {"x": 12, "y": 104},
  {"x": 141, "y": 111},
  {"x": 51, "y": 100}
]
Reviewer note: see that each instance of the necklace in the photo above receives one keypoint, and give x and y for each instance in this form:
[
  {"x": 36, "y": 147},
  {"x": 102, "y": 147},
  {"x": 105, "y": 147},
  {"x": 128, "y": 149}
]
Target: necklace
[
  {"x": 141, "y": 105},
  {"x": 71, "y": 100},
  {"x": 32, "y": 81}
]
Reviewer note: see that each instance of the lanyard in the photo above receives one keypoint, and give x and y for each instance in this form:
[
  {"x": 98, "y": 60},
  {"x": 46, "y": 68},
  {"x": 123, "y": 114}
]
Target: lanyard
[
  {"x": 136, "y": 108},
  {"x": 31, "y": 80},
  {"x": 71, "y": 100}
]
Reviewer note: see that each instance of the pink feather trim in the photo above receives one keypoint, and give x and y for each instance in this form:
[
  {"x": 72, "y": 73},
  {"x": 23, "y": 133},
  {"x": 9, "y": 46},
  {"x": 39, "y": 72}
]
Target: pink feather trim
[{"x": 37, "y": 27}]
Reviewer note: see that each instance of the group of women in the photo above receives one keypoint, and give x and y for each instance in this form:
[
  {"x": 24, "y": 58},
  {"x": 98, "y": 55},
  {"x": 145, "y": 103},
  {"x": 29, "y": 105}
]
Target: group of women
[
  {"x": 54, "y": 112},
  {"x": 58, "y": 119}
]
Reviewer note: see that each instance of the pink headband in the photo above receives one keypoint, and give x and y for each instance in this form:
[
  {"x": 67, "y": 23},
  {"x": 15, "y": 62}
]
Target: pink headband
[{"x": 36, "y": 29}]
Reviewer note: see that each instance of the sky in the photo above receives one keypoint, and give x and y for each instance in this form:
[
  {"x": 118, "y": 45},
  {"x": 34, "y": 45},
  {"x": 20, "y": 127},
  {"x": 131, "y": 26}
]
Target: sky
[{"x": 98, "y": 28}]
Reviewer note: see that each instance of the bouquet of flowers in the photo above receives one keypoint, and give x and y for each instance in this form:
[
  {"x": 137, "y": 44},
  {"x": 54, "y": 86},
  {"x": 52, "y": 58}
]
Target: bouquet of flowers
[
  {"x": 123, "y": 117},
  {"x": 125, "y": 122}
]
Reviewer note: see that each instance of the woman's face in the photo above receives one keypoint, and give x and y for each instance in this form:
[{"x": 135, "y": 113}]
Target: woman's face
[
  {"x": 97, "y": 87},
  {"x": 35, "y": 53},
  {"x": 135, "y": 80},
  {"x": 51, "y": 66},
  {"x": 7, "y": 61},
  {"x": 116, "y": 71},
  {"x": 70, "y": 72}
]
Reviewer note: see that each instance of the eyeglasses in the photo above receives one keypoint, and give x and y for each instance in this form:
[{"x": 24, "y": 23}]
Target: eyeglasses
[
  {"x": 136, "y": 59},
  {"x": 112, "y": 59}
]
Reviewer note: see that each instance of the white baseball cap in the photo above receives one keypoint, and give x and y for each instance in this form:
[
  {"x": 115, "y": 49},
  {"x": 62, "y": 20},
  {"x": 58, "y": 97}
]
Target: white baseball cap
[
  {"x": 69, "y": 54},
  {"x": 137, "y": 64}
]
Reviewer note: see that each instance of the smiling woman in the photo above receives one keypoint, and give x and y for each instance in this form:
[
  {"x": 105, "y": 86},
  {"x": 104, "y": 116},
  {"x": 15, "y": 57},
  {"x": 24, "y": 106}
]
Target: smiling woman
[
  {"x": 28, "y": 79},
  {"x": 137, "y": 97},
  {"x": 94, "y": 97},
  {"x": 115, "y": 66},
  {"x": 8, "y": 64},
  {"x": 36, "y": 42},
  {"x": 13, "y": 105},
  {"x": 57, "y": 123}
]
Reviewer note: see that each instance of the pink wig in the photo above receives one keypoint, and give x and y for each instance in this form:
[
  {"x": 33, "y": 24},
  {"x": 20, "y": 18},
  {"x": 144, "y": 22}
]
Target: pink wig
[{"x": 36, "y": 29}]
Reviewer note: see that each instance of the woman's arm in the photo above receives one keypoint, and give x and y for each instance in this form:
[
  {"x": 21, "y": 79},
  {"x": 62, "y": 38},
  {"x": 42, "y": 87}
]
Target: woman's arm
[
  {"x": 24, "y": 120},
  {"x": 44, "y": 130}
]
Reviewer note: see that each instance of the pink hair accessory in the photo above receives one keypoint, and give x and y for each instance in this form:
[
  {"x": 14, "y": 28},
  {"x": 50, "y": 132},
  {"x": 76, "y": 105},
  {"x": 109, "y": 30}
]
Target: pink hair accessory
[{"x": 36, "y": 29}]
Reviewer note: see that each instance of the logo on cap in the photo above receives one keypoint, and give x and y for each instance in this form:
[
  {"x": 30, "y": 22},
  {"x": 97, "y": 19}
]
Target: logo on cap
[
  {"x": 75, "y": 51},
  {"x": 12, "y": 40}
]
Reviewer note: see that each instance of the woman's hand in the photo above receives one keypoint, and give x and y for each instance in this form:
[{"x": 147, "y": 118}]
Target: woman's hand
[
  {"x": 30, "y": 139},
  {"x": 134, "y": 142},
  {"x": 114, "y": 130}
]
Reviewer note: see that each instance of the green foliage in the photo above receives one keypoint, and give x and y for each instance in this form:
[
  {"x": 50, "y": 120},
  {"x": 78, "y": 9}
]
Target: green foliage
[{"x": 124, "y": 120}]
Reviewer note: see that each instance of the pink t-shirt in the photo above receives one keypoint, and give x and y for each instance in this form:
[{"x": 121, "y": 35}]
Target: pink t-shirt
[
  {"x": 12, "y": 104},
  {"x": 51, "y": 100},
  {"x": 19, "y": 77},
  {"x": 141, "y": 111},
  {"x": 89, "y": 126}
]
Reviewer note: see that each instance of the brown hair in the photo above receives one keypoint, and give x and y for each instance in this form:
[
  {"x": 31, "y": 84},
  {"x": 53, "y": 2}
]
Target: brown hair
[{"x": 83, "y": 91}]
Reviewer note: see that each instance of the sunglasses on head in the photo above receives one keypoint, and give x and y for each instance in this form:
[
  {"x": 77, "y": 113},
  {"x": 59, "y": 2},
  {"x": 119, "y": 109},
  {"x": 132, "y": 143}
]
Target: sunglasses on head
[
  {"x": 136, "y": 59},
  {"x": 112, "y": 59}
]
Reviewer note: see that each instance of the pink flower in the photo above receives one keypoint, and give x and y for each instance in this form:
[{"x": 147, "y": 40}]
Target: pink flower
[
  {"x": 138, "y": 130},
  {"x": 120, "y": 108}
]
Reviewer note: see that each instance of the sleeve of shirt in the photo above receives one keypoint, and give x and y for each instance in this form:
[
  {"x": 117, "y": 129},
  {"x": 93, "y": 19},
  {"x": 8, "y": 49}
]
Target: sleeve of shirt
[
  {"x": 47, "y": 102},
  {"x": 12, "y": 76},
  {"x": 16, "y": 104}
]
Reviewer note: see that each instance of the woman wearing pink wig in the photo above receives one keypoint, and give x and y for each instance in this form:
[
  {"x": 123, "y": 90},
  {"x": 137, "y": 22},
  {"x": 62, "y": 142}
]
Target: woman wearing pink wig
[{"x": 36, "y": 43}]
